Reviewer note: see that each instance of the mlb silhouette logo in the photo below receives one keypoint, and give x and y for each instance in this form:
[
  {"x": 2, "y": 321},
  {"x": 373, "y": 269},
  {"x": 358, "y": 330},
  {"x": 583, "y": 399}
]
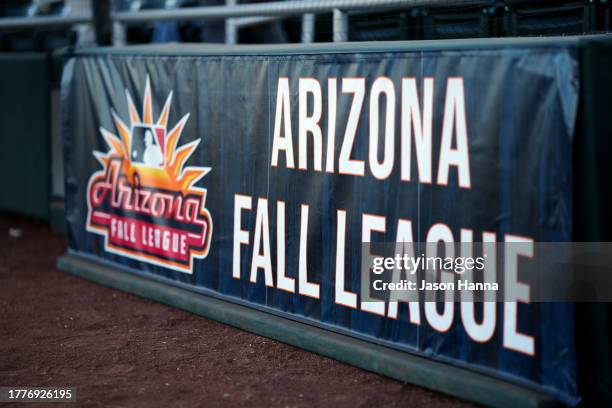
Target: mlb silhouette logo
[{"x": 148, "y": 145}]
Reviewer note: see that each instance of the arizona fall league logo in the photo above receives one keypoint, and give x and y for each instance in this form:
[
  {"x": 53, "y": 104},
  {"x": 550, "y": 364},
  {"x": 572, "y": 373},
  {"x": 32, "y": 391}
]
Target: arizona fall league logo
[{"x": 144, "y": 200}]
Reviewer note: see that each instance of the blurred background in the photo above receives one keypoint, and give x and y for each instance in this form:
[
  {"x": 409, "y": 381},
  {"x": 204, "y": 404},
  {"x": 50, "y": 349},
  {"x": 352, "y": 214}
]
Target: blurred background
[{"x": 85, "y": 22}]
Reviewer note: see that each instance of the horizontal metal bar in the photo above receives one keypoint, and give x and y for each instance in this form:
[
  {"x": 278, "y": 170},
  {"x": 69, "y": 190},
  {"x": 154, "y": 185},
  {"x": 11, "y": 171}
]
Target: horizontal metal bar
[
  {"x": 285, "y": 8},
  {"x": 51, "y": 21},
  {"x": 253, "y": 21}
]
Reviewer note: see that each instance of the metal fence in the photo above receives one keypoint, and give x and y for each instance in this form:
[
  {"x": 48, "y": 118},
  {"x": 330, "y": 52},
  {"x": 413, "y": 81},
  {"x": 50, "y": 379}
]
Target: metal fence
[{"x": 236, "y": 15}]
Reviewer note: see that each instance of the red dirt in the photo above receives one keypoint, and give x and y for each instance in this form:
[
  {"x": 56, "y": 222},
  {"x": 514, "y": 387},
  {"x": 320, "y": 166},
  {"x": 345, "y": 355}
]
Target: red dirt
[{"x": 121, "y": 350}]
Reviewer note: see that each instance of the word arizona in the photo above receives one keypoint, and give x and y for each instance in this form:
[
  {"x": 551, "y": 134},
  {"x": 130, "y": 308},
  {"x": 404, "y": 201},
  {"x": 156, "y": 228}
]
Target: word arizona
[{"x": 415, "y": 129}]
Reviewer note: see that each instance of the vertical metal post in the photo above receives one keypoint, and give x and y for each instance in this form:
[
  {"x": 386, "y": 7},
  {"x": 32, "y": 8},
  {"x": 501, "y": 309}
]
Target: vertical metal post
[
  {"x": 102, "y": 21},
  {"x": 86, "y": 36},
  {"x": 340, "y": 26},
  {"x": 308, "y": 28},
  {"x": 119, "y": 34},
  {"x": 231, "y": 31}
]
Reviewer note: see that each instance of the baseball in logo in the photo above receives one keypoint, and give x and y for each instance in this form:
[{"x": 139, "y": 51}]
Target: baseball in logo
[{"x": 144, "y": 200}]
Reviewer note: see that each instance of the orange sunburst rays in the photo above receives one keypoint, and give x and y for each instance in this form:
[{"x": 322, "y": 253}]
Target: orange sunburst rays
[{"x": 172, "y": 175}]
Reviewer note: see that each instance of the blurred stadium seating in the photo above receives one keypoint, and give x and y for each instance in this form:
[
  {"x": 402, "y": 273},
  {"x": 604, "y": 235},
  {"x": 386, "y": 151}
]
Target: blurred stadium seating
[
  {"x": 491, "y": 18},
  {"x": 39, "y": 39}
]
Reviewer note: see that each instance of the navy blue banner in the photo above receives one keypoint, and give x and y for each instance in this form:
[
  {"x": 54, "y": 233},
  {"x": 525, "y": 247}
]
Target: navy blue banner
[{"x": 257, "y": 178}]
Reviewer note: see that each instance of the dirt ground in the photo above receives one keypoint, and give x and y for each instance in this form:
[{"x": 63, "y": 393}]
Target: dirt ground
[{"x": 119, "y": 350}]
